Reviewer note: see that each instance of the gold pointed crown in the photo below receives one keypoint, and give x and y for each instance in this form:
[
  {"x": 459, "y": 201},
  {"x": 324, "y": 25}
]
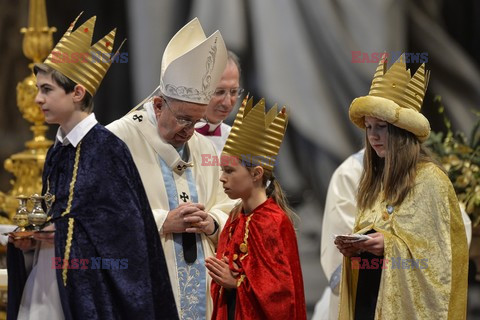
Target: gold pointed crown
[
  {"x": 396, "y": 97},
  {"x": 76, "y": 59},
  {"x": 256, "y": 137}
]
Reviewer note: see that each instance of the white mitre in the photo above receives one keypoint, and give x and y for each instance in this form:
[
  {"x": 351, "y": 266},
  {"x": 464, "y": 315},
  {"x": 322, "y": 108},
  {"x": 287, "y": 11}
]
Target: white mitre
[{"x": 193, "y": 64}]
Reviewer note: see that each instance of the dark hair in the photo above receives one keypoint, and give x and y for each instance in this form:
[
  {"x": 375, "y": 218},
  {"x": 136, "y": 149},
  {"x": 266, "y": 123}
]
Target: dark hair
[{"x": 64, "y": 82}]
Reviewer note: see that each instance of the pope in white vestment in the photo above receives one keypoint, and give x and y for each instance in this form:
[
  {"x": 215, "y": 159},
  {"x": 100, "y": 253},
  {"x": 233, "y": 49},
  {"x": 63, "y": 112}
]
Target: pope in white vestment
[
  {"x": 168, "y": 154},
  {"x": 147, "y": 149}
]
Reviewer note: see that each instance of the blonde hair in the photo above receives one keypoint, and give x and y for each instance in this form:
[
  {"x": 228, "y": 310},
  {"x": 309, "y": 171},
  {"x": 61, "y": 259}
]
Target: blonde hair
[{"x": 395, "y": 174}]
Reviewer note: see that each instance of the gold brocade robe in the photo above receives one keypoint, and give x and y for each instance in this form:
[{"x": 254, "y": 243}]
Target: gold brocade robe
[{"x": 427, "y": 225}]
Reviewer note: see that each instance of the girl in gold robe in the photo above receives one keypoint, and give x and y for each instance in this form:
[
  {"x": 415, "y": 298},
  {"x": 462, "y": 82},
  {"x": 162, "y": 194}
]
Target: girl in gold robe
[{"x": 415, "y": 264}]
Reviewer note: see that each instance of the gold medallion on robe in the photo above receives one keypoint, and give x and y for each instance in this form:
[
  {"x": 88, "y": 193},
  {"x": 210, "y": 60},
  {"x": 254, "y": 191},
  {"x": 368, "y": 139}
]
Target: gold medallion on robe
[{"x": 243, "y": 247}]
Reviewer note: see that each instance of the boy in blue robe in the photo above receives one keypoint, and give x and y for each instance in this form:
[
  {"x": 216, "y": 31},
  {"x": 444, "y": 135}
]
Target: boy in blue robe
[{"x": 104, "y": 258}]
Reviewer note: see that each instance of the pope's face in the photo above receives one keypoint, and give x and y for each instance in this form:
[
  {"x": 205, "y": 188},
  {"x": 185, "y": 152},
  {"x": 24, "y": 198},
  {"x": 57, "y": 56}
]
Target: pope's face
[
  {"x": 176, "y": 119},
  {"x": 377, "y": 132}
]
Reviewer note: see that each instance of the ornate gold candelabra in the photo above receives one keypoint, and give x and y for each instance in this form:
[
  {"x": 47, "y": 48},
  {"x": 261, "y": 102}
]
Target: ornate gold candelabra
[{"x": 27, "y": 166}]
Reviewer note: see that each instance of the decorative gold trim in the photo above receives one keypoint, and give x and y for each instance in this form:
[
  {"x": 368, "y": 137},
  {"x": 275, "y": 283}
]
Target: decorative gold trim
[
  {"x": 245, "y": 237},
  {"x": 48, "y": 191},
  {"x": 74, "y": 179},
  {"x": 67, "y": 251},
  {"x": 240, "y": 280},
  {"x": 68, "y": 244}
]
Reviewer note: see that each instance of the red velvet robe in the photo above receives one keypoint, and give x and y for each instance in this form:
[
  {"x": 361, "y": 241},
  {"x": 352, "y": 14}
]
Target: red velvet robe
[{"x": 270, "y": 284}]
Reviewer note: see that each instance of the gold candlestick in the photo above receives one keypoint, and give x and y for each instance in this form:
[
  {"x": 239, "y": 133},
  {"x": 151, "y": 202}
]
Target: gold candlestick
[{"x": 27, "y": 166}]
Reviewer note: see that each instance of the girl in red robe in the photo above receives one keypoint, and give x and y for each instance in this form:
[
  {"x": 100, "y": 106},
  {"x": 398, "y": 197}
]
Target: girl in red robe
[{"x": 256, "y": 272}]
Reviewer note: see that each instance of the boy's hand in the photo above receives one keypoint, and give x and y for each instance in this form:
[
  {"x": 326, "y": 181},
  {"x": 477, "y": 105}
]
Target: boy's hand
[
  {"x": 48, "y": 237},
  {"x": 24, "y": 244}
]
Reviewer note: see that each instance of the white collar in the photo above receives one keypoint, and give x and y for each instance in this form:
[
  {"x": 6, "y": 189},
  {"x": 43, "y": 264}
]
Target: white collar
[
  {"x": 150, "y": 112},
  {"x": 165, "y": 150},
  {"x": 77, "y": 133}
]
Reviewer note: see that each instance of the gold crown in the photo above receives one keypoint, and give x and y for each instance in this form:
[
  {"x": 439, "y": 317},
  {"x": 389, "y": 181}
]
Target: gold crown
[
  {"x": 255, "y": 136},
  {"x": 396, "y": 97},
  {"x": 81, "y": 65},
  {"x": 398, "y": 85}
]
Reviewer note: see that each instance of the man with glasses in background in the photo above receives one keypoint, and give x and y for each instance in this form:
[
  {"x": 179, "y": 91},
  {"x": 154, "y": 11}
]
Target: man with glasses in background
[
  {"x": 187, "y": 198},
  {"x": 221, "y": 104}
]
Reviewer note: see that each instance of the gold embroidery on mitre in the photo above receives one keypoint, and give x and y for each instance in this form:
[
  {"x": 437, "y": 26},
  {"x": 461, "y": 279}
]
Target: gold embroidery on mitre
[
  {"x": 86, "y": 64},
  {"x": 398, "y": 85},
  {"x": 256, "y": 137}
]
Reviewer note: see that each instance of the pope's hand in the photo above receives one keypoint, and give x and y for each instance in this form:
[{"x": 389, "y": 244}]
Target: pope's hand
[
  {"x": 177, "y": 222},
  {"x": 199, "y": 221}
]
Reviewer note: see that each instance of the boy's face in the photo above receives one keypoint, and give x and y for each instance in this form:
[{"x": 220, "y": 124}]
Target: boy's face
[{"x": 56, "y": 105}]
